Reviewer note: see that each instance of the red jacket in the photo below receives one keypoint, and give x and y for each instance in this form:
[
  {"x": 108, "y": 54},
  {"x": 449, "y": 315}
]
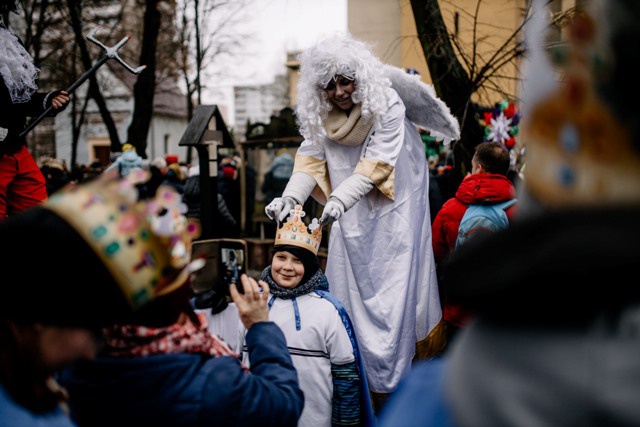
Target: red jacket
[{"x": 475, "y": 188}]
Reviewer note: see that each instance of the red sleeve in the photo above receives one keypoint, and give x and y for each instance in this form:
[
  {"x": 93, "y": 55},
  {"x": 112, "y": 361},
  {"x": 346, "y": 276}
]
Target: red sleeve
[
  {"x": 512, "y": 212},
  {"x": 445, "y": 228}
]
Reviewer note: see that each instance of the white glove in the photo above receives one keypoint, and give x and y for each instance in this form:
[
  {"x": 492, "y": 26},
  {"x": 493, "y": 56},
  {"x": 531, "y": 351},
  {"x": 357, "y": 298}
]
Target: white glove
[
  {"x": 332, "y": 211},
  {"x": 297, "y": 191},
  {"x": 279, "y": 208}
]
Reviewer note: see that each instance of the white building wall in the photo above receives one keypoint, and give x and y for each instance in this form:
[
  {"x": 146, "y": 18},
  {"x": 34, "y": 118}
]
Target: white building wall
[{"x": 164, "y": 134}]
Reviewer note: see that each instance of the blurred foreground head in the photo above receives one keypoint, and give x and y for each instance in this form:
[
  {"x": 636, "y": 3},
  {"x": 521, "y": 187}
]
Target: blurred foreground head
[
  {"x": 581, "y": 189},
  {"x": 93, "y": 254},
  {"x": 582, "y": 131}
]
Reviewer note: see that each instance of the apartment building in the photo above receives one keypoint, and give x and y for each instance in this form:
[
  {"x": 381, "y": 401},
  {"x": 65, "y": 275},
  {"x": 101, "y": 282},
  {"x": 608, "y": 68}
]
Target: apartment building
[{"x": 258, "y": 103}]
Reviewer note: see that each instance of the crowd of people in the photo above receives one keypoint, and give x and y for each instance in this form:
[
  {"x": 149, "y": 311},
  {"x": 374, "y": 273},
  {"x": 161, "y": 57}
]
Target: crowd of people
[{"x": 531, "y": 323}]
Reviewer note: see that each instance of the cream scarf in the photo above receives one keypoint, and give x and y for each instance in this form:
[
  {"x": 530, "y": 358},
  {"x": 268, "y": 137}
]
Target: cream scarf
[{"x": 348, "y": 130}]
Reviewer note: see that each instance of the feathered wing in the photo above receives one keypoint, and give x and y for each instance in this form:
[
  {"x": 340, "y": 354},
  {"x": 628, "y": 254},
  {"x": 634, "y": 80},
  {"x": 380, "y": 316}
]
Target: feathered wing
[
  {"x": 423, "y": 107},
  {"x": 538, "y": 76}
]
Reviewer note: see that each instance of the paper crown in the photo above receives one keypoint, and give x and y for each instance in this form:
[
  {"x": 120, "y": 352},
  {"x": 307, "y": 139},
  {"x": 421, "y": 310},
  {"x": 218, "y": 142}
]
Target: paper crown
[
  {"x": 578, "y": 151},
  {"x": 294, "y": 231},
  {"x": 146, "y": 245}
]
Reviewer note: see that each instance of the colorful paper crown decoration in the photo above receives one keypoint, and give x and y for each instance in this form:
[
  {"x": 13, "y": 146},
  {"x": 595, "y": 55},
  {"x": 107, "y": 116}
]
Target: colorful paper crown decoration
[
  {"x": 579, "y": 152},
  {"x": 294, "y": 231},
  {"x": 146, "y": 245},
  {"x": 501, "y": 124}
]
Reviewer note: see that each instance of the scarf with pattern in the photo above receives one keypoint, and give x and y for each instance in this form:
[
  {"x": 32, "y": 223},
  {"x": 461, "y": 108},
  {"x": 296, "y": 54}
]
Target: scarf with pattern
[
  {"x": 348, "y": 130},
  {"x": 317, "y": 281},
  {"x": 135, "y": 340}
]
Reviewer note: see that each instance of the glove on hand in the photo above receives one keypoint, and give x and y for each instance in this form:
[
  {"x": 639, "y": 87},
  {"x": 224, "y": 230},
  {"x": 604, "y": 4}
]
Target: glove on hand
[
  {"x": 332, "y": 211},
  {"x": 297, "y": 191},
  {"x": 279, "y": 208}
]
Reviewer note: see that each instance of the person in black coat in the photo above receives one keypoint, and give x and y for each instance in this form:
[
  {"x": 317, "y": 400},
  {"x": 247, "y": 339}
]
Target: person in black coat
[
  {"x": 191, "y": 197},
  {"x": 22, "y": 184}
]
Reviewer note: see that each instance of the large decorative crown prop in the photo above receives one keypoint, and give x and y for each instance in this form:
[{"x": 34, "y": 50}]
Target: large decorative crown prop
[
  {"x": 146, "y": 245},
  {"x": 578, "y": 152},
  {"x": 296, "y": 233}
]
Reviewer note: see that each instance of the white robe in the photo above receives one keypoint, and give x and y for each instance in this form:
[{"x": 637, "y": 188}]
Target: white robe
[{"x": 380, "y": 260}]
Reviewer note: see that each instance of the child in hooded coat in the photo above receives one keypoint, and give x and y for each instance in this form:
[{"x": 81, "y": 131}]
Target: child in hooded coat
[{"x": 319, "y": 335}]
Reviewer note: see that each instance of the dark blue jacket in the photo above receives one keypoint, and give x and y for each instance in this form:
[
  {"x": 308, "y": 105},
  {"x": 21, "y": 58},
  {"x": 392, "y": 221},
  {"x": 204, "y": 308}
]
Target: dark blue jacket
[{"x": 189, "y": 389}]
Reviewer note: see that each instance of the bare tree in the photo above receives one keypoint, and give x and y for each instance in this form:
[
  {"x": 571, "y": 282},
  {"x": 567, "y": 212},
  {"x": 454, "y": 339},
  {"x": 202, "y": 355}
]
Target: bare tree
[
  {"x": 144, "y": 88},
  {"x": 461, "y": 71},
  {"x": 476, "y": 70},
  {"x": 209, "y": 32},
  {"x": 75, "y": 13},
  {"x": 54, "y": 33}
]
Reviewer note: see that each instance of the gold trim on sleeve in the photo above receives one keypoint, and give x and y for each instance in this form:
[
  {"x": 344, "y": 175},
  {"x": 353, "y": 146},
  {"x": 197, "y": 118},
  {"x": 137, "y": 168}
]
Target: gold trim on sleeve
[
  {"x": 317, "y": 169},
  {"x": 382, "y": 174}
]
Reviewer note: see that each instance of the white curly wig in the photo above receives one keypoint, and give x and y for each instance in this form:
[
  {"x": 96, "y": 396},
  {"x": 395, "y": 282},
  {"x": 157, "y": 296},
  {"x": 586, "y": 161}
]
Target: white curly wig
[{"x": 332, "y": 55}]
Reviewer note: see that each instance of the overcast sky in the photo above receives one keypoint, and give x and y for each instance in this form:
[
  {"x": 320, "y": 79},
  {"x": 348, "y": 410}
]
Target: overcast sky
[{"x": 280, "y": 26}]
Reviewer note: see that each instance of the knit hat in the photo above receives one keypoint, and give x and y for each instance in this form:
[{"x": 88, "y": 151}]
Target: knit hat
[
  {"x": 93, "y": 254},
  {"x": 171, "y": 158}
]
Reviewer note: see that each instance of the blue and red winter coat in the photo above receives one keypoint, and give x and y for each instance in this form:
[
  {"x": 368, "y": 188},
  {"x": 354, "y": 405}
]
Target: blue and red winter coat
[
  {"x": 479, "y": 188},
  {"x": 189, "y": 389}
]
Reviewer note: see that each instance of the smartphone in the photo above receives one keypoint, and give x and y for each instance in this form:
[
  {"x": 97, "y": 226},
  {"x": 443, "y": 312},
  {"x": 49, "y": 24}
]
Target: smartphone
[{"x": 225, "y": 262}]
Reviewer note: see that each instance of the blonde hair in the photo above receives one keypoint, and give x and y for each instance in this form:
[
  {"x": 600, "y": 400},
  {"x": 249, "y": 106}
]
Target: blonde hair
[
  {"x": 177, "y": 170},
  {"x": 338, "y": 54}
]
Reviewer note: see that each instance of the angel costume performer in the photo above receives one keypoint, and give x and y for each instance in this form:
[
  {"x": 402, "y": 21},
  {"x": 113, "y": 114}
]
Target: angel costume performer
[{"x": 367, "y": 165}]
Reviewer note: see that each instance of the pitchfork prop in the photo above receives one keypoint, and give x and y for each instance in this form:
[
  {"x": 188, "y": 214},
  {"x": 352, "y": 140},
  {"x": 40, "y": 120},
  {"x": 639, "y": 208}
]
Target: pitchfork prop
[{"x": 110, "y": 53}]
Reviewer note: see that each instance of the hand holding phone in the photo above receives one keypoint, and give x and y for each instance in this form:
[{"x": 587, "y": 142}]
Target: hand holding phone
[
  {"x": 226, "y": 261},
  {"x": 253, "y": 305}
]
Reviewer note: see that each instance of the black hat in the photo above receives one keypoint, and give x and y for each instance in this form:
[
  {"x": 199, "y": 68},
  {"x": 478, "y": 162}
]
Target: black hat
[{"x": 52, "y": 276}]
